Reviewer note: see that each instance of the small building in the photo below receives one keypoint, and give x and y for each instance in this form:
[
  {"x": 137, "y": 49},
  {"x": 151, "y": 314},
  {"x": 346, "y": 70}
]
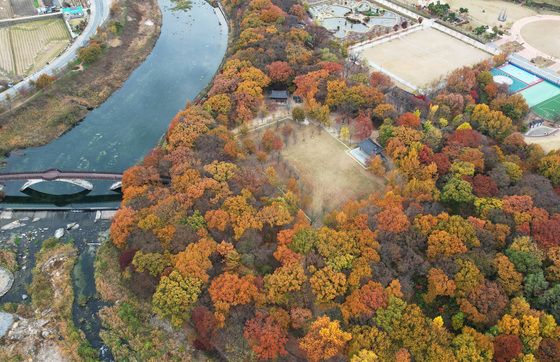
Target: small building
[
  {"x": 280, "y": 96},
  {"x": 370, "y": 148},
  {"x": 73, "y": 12},
  {"x": 366, "y": 150}
]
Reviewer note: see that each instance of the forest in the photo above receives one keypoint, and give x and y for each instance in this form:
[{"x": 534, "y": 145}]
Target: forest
[{"x": 457, "y": 259}]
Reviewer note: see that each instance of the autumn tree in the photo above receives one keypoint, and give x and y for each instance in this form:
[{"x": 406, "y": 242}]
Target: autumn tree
[
  {"x": 363, "y": 302},
  {"x": 228, "y": 290},
  {"x": 439, "y": 284},
  {"x": 265, "y": 336},
  {"x": 362, "y": 126},
  {"x": 549, "y": 167},
  {"x": 124, "y": 221},
  {"x": 175, "y": 296},
  {"x": 493, "y": 123},
  {"x": 327, "y": 284},
  {"x": 408, "y": 120},
  {"x": 443, "y": 243},
  {"x": 279, "y": 71},
  {"x": 324, "y": 340},
  {"x": 507, "y": 347}
]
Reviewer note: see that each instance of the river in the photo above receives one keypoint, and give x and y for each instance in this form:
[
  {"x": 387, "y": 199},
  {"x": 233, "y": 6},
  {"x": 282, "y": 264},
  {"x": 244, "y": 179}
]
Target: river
[{"x": 122, "y": 130}]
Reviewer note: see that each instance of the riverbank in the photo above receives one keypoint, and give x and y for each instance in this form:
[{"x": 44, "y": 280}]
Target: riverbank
[
  {"x": 45, "y": 329},
  {"x": 128, "y": 38}
]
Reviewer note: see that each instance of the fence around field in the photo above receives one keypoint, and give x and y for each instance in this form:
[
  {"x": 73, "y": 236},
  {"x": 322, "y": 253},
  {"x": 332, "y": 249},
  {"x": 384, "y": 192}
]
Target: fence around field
[
  {"x": 475, "y": 43},
  {"x": 358, "y": 47}
]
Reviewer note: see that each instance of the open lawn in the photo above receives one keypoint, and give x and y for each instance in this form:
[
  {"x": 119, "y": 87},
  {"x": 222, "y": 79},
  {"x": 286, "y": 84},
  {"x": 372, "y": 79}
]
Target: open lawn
[
  {"x": 424, "y": 57},
  {"x": 543, "y": 35},
  {"x": 33, "y": 44},
  {"x": 323, "y": 164}
]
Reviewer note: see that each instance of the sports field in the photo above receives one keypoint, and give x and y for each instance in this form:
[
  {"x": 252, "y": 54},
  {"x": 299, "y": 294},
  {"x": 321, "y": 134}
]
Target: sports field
[
  {"x": 543, "y": 35},
  {"x": 549, "y": 109},
  {"x": 29, "y": 46},
  {"x": 424, "y": 57}
]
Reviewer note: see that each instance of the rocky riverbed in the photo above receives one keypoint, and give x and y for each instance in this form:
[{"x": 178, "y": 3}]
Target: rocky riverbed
[{"x": 41, "y": 307}]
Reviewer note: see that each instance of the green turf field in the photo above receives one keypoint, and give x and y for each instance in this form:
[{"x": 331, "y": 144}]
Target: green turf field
[{"x": 549, "y": 109}]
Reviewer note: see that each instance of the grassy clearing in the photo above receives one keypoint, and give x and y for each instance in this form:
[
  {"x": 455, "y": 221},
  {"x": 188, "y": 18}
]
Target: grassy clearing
[{"x": 333, "y": 176}]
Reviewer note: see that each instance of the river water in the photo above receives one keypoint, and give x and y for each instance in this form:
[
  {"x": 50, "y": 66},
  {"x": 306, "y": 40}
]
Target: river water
[
  {"x": 122, "y": 130},
  {"x": 114, "y": 137}
]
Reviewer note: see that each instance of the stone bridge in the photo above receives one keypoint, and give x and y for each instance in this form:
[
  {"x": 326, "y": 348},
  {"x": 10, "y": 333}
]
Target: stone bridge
[{"x": 78, "y": 178}]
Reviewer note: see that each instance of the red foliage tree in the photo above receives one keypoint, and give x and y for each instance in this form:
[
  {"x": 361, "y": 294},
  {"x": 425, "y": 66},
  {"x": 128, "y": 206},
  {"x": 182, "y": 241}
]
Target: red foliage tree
[
  {"x": 265, "y": 336},
  {"x": 380, "y": 80},
  {"x": 205, "y": 325},
  {"x": 362, "y": 126},
  {"x": 442, "y": 162},
  {"x": 484, "y": 186},
  {"x": 506, "y": 348},
  {"x": 465, "y": 138},
  {"x": 125, "y": 258},
  {"x": 549, "y": 350},
  {"x": 408, "y": 120},
  {"x": 279, "y": 71},
  {"x": 547, "y": 232}
]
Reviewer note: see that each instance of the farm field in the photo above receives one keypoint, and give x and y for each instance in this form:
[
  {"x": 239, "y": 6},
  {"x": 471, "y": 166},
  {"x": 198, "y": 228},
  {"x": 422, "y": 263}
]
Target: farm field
[
  {"x": 6, "y": 57},
  {"x": 423, "y": 57},
  {"x": 5, "y": 9},
  {"x": 23, "y": 7},
  {"x": 322, "y": 162},
  {"x": 543, "y": 35},
  {"x": 32, "y": 45}
]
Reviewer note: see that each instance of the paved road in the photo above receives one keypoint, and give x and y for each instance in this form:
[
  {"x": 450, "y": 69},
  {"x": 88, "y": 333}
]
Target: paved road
[{"x": 99, "y": 13}]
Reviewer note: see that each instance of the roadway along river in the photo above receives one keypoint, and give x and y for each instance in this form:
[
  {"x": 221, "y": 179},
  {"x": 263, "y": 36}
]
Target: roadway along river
[{"x": 122, "y": 130}]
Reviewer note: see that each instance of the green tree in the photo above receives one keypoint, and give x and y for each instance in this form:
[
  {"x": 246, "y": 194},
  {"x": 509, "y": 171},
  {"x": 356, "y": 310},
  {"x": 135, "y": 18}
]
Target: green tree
[{"x": 457, "y": 192}]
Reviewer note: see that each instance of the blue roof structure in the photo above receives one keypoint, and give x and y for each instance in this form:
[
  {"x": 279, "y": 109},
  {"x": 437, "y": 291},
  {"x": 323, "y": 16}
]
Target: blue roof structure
[
  {"x": 369, "y": 147},
  {"x": 78, "y": 10},
  {"x": 278, "y": 94}
]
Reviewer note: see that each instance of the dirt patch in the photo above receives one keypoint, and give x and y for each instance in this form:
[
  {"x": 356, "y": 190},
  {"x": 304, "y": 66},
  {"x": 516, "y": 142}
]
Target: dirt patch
[
  {"x": 322, "y": 162},
  {"x": 548, "y": 143},
  {"x": 486, "y": 12},
  {"x": 543, "y": 35},
  {"x": 54, "y": 111}
]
